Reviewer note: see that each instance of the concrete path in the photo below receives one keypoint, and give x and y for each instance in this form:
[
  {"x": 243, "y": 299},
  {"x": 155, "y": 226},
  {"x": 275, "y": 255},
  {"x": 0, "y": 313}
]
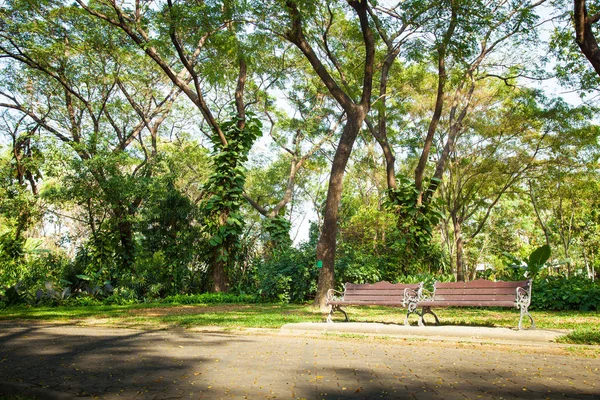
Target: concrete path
[
  {"x": 443, "y": 332},
  {"x": 64, "y": 361}
]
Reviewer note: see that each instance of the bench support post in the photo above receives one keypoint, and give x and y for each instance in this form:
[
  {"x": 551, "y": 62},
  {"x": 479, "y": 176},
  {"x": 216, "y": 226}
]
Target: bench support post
[
  {"x": 427, "y": 310},
  {"x": 333, "y": 309},
  {"x": 411, "y": 309},
  {"x": 524, "y": 312},
  {"x": 523, "y": 301}
]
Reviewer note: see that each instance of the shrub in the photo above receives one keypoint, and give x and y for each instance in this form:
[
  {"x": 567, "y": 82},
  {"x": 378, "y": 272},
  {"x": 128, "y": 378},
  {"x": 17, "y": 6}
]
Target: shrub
[
  {"x": 288, "y": 275},
  {"x": 82, "y": 301},
  {"x": 560, "y": 293},
  {"x": 210, "y": 298}
]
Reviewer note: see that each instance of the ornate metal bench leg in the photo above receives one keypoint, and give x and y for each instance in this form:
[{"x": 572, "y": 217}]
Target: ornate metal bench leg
[
  {"x": 343, "y": 312},
  {"x": 336, "y": 308},
  {"x": 411, "y": 309},
  {"x": 427, "y": 310},
  {"x": 523, "y": 313}
]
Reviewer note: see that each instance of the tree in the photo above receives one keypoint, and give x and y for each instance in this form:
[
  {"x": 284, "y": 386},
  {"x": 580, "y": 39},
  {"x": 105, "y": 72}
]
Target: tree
[
  {"x": 201, "y": 39},
  {"x": 355, "y": 111},
  {"x": 561, "y": 188},
  {"x": 464, "y": 45},
  {"x": 105, "y": 107},
  {"x": 497, "y": 148}
]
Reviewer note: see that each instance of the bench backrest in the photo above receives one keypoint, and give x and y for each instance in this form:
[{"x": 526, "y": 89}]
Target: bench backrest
[
  {"x": 479, "y": 290},
  {"x": 380, "y": 292}
]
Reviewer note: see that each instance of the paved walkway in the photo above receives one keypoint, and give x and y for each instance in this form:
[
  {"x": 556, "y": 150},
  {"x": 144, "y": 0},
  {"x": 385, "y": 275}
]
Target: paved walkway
[
  {"x": 66, "y": 361},
  {"x": 480, "y": 334}
]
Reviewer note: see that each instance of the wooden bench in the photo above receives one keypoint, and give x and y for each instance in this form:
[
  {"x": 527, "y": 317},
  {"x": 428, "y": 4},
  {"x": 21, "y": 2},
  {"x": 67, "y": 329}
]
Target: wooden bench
[
  {"x": 478, "y": 293},
  {"x": 375, "y": 294}
]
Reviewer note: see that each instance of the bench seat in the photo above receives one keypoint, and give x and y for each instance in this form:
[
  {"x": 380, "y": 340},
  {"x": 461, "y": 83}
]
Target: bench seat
[
  {"x": 478, "y": 293},
  {"x": 471, "y": 303},
  {"x": 374, "y": 294}
]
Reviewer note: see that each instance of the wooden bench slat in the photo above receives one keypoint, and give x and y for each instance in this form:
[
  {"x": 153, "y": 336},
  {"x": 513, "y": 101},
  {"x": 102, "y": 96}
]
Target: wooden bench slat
[
  {"x": 502, "y": 290},
  {"x": 475, "y": 297},
  {"x": 358, "y": 292},
  {"x": 442, "y": 303},
  {"x": 480, "y": 283},
  {"x": 381, "y": 285},
  {"x": 373, "y": 297},
  {"x": 365, "y": 303}
]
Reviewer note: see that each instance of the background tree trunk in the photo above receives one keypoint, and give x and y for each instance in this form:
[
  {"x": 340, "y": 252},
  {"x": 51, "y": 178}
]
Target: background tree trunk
[
  {"x": 327, "y": 241},
  {"x": 458, "y": 239}
]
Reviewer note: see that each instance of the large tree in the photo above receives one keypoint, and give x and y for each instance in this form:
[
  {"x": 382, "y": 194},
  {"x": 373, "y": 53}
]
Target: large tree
[
  {"x": 205, "y": 45},
  {"x": 70, "y": 80},
  {"x": 354, "y": 100},
  {"x": 465, "y": 50}
]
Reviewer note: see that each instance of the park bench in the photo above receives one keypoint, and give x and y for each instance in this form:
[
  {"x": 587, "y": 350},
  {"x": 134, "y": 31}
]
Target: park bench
[
  {"x": 478, "y": 293},
  {"x": 374, "y": 294}
]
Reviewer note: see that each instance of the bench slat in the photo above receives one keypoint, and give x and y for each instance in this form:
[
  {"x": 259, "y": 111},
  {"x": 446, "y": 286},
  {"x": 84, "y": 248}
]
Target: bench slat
[
  {"x": 372, "y": 297},
  {"x": 480, "y": 283},
  {"x": 502, "y": 290},
  {"x": 381, "y": 285},
  {"x": 357, "y": 292},
  {"x": 365, "y": 303},
  {"x": 475, "y": 297},
  {"x": 442, "y": 303}
]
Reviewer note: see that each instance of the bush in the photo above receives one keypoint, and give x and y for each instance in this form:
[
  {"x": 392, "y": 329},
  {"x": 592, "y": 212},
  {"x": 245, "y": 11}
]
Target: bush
[
  {"x": 82, "y": 301},
  {"x": 210, "y": 298},
  {"x": 560, "y": 293},
  {"x": 288, "y": 275}
]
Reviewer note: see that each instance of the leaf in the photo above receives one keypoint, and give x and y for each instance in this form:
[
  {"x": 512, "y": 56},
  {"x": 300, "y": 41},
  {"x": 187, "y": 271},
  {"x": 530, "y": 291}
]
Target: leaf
[{"x": 540, "y": 255}]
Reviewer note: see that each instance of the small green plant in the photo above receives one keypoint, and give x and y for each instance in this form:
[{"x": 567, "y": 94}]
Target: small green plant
[
  {"x": 16, "y": 295},
  {"x": 52, "y": 295},
  {"x": 532, "y": 265}
]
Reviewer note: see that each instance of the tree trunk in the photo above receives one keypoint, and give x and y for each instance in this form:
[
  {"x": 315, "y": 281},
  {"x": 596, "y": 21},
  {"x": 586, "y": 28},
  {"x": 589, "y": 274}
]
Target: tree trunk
[
  {"x": 327, "y": 241},
  {"x": 127, "y": 244},
  {"x": 458, "y": 239},
  {"x": 220, "y": 279},
  {"x": 584, "y": 34}
]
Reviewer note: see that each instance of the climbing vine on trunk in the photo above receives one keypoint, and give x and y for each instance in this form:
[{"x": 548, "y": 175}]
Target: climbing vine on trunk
[
  {"x": 222, "y": 220},
  {"x": 415, "y": 222},
  {"x": 278, "y": 229}
]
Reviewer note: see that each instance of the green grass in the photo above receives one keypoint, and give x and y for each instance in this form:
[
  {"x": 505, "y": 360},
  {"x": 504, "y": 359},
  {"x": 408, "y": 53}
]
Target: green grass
[
  {"x": 157, "y": 315},
  {"x": 582, "y": 336},
  {"x": 236, "y": 316}
]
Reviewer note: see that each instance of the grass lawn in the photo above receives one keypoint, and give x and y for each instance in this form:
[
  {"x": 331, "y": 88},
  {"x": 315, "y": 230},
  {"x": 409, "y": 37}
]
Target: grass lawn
[{"x": 163, "y": 316}]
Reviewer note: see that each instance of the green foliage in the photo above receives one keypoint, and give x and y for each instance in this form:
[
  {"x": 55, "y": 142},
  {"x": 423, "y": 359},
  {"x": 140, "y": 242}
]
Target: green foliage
[
  {"x": 528, "y": 268},
  {"x": 287, "y": 275},
  {"x": 151, "y": 228},
  {"x": 538, "y": 259},
  {"x": 560, "y": 293},
  {"x": 223, "y": 222},
  {"x": 415, "y": 223},
  {"x": 170, "y": 241},
  {"x": 278, "y": 229},
  {"x": 211, "y": 298}
]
